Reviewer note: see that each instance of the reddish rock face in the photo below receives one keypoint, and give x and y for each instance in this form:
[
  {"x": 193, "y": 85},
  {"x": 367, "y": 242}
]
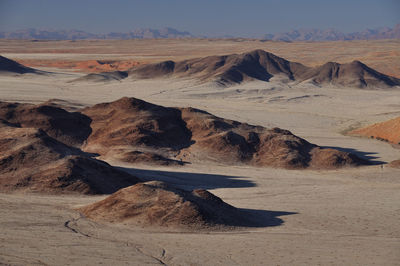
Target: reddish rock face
[{"x": 386, "y": 131}]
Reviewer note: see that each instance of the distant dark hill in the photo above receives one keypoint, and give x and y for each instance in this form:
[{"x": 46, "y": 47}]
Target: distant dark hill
[
  {"x": 354, "y": 74},
  {"x": 234, "y": 68},
  {"x": 261, "y": 65},
  {"x": 11, "y": 67}
]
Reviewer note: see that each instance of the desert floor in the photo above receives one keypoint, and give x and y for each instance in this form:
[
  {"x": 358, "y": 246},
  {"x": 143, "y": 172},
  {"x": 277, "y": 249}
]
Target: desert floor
[{"x": 335, "y": 217}]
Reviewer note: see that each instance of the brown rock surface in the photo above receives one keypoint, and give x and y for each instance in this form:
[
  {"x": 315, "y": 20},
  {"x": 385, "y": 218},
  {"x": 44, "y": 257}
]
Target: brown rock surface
[
  {"x": 199, "y": 135},
  {"x": 71, "y": 128},
  {"x": 354, "y": 74},
  {"x": 158, "y": 204},
  {"x": 331, "y": 158},
  {"x": 395, "y": 164},
  {"x": 231, "y": 141},
  {"x": 136, "y": 131},
  {"x": 30, "y": 160}
]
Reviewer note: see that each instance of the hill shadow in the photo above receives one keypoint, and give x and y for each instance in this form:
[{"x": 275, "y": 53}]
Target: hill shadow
[
  {"x": 260, "y": 218},
  {"x": 369, "y": 156},
  {"x": 189, "y": 180}
]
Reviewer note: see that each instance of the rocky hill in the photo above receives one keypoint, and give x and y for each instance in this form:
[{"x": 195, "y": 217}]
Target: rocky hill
[
  {"x": 30, "y": 160},
  {"x": 262, "y": 65},
  {"x": 192, "y": 134},
  {"x": 159, "y": 204}
]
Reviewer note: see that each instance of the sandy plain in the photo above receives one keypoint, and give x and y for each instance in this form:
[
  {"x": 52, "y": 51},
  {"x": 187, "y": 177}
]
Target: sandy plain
[{"x": 336, "y": 217}]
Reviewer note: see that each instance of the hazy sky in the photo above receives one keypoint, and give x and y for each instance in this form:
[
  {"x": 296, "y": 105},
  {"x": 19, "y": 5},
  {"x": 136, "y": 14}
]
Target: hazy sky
[{"x": 248, "y": 18}]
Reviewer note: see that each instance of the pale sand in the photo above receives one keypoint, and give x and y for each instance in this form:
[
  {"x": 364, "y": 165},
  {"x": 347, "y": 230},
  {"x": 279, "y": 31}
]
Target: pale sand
[
  {"x": 347, "y": 217},
  {"x": 340, "y": 217}
]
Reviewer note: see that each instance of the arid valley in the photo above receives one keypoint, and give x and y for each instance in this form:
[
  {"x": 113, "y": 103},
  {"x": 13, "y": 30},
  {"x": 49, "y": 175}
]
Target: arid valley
[{"x": 199, "y": 152}]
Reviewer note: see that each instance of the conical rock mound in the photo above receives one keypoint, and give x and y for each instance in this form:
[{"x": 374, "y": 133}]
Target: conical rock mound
[{"x": 158, "y": 204}]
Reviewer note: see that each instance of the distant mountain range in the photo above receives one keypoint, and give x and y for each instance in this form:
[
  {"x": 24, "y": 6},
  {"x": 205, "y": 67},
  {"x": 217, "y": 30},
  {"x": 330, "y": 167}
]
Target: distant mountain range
[
  {"x": 334, "y": 35},
  {"x": 41, "y": 34},
  {"x": 292, "y": 36}
]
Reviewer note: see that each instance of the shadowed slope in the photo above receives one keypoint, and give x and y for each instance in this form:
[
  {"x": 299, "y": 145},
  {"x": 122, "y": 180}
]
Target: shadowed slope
[
  {"x": 103, "y": 76},
  {"x": 71, "y": 128},
  {"x": 195, "y": 135},
  {"x": 12, "y": 67}
]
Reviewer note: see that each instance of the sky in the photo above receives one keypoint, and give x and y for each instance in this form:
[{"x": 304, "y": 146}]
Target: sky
[{"x": 246, "y": 18}]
